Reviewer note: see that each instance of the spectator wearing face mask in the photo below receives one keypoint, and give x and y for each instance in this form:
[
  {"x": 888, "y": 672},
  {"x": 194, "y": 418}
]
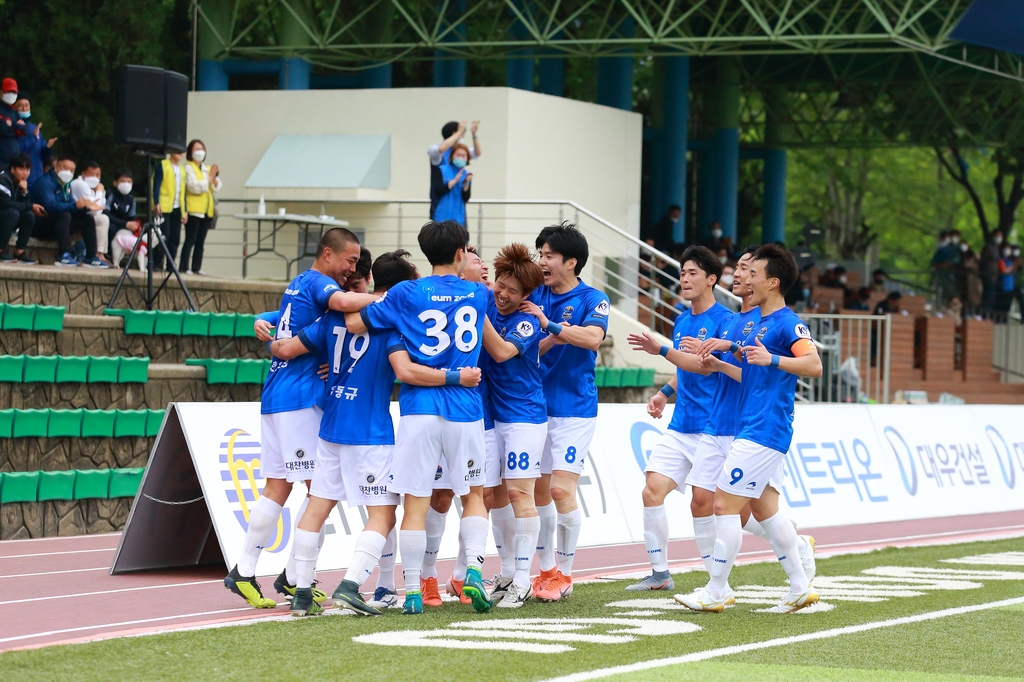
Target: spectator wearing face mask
[
  {"x": 989, "y": 268},
  {"x": 662, "y": 233},
  {"x": 1018, "y": 289},
  {"x": 201, "y": 181},
  {"x": 891, "y": 304},
  {"x": 455, "y": 188},
  {"x": 169, "y": 204},
  {"x": 944, "y": 264},
  {"x": 65, "y": 215},
  {"x": 714, "y": 242},
  {"x": 11, "y": 125},
  {"x": 88, "y": 185},
  {"x": 861, "y": 302},
  {"x": 451, "y": 134},
  {"x": 124, "y": 226},
  {"x": 17, "y": 212},
  {"x": 31, "y": 141},
  {"x": 1007, "y": 280}
]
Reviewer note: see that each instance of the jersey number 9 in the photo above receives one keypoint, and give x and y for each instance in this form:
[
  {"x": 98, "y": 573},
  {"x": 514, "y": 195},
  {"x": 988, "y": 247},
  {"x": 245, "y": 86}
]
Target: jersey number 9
[{"x": 466, "y": 334}]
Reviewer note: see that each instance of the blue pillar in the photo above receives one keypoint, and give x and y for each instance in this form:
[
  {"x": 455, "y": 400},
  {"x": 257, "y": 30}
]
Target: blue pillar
[
  {"x": 706, "y": 198},
  {"x": 615, "y": 76},
  {"x": 376, "y": 77},
  {"x": 727, "y": 177},
  {"x": 519, "y": 72},
  {"x": 449, "y": 73},
  {"x": 212, "y": 75},
  {"x": 294, "y": 74},
  {"x": 773, "y": 216},
  {"x": 676, "y": 127},
  {"x": 552, "y": 76},
  {"x": 656, "y": 176}
]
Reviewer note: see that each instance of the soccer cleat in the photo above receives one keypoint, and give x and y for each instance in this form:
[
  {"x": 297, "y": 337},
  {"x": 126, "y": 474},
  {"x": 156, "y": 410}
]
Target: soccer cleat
[
  {"x": 793, "y": 602},
  {"x": 541, "y": 581},
  {"x": 651, "y": 583},
  {"x": 730, "y": 596},
  {"x": 807, "y": 558},
  {"x": 473, "y": 588},
  {"x": 500, "y": 586},
  {"x": 347, "y": 596},
  {"x": 556, "y": 589},
  {"x": 413, "y": 603},
  {"x": 248, "y": 589},
  {"x": 383, "y": 598},
  {"x": 303, "y": 603},
  {"x": 282, "y": 586},
  {"x": 454, "y": 588},
  {"x": 702, "y": 600},
  {"x": 515, "y": 596},
  {"x": 431, "y": 595},
  {"x": 68, "y": 261}
]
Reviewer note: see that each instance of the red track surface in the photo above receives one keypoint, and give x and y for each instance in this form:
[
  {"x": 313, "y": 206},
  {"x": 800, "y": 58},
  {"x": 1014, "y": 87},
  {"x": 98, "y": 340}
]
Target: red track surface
[{"x": 58, "y": 590}]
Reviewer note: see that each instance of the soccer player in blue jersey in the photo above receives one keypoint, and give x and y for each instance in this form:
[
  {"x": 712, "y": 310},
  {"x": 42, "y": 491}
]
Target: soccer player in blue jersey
[
  {"x": 512, "y": 370},
  {"x": 291, "y": 408},
  {"x": 574, "y": 320},
  {"x": 441, "y": 319},
  {"x": 773, "y": 357},
  {"x": 672, "y": 459}
]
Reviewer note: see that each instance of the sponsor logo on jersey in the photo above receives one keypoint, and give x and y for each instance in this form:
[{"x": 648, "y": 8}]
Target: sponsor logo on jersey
[
  {"x": 438, "y": 474},
  {"x": 702, "y": 334},
  {"x": 567, "y": 313},
  {"x": 370, "y": 478},
  {"x": 748, "y": 327},
  {"x": 602, "y": 308},
  {"x": 470, "y": 463},
  {"x": 300, "y": 453},
  {"x": 802, "y": 331},
  {"x": 761, "y": 332},
  {"x": 330, "y": 287},
  {"x": 525, "y": 329}
]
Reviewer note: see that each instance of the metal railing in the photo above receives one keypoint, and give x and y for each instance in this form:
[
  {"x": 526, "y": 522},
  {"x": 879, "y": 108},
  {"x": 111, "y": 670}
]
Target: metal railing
[
  {"x": 854, "y": 352},
  {"x": 1008, "y": 352}
]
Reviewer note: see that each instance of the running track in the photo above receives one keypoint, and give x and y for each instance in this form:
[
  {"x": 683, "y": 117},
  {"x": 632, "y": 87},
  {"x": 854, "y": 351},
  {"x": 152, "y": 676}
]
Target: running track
[{"x": 58, "y": 590}]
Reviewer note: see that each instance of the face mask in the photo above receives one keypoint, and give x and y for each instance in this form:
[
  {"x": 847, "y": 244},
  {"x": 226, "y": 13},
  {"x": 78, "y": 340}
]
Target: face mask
[
  {"x": 24, "y": 114},
  {"x": 964, "y": 247},
  {"x": 956, "y": 240},
  {"x": 807, "y": 293},
  {"x": 124, "y": 187},
  {"x": 1006, "y": 253},
  {"x": 1016, "y": 253},
  {"x": 198, "y": 155},
  {"x": 10, "y": 97},
  {"x": 459, "y": 163},
  {"x": 723, "y": 259},
  {"x": 842, "y": 279},
  {"x": 65, "y": 176},
  {"x": 998, "y": 239},
  {"x": 675, "y": 220},
  {"x": 717, "y": 234},
  {"x": 92, "y": 181},
  {"x": 727, "y": 281}
]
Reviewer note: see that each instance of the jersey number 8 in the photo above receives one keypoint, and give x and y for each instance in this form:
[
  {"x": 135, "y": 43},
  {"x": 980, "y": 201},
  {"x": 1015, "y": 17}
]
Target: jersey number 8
[{"x": 466, "y": 335}]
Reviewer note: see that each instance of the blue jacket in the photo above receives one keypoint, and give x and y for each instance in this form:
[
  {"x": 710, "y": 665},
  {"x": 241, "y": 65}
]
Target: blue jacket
[
  {"x": 451, "y": 203},
  {"x": 48, "y": 193},
  {"x": 36, "y": 149},
  {"x": 10, "y": 126}
]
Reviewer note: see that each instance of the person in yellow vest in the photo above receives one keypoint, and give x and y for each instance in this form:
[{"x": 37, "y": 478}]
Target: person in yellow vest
[
  {"x": 169, "y": 192},
  {"x": 201, "y": 181}
]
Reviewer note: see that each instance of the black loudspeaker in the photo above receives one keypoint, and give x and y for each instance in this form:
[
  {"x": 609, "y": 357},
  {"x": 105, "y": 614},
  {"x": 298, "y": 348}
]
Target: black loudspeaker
[
  {"x": 150, "y": 109},
  {"x": 175, "y": 111}
]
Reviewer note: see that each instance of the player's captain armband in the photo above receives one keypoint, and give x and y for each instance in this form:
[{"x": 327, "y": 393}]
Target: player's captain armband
[{"x": 802, "y": 347}]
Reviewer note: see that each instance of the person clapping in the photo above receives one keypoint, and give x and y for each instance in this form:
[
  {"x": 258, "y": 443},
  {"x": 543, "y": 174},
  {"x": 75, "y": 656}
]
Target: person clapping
[{"x": 454, "y": 188}]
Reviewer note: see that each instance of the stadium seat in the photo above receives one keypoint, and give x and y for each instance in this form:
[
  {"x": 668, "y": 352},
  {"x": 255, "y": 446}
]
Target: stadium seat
[
  {"x": 218, "y": 371},
  {"x": 125, "y": 482},
  {"x": 266, "y": 371},
  {"x": 19, "y": 317},
  {"x": 599, "y": 374},
  {"x": 646, "y": 377},
  {"x": 133, "y": 370},
  {"x": 56, "y": 485},
  {"x": 250, "y": 371},
  {"x": 3, "y": 307},
  {"x": 244, "y": 326},
  {"x": 12, "y": 368},
  {"x": 613, "y": 377},
  {"x": 168, "y": 322},
  {"x": 630, "y": 377},
  {"x": 49, "y": 318},
  {"x": 98, "y": 423},
  {"x": 30, "y": 423},
  {"x": 65, "y": 423},
  {"x": 72, "y": 369},
  {"x": 40, "y": 368},
  {"x": 222, "y": 324},
  {"x": 154, "y": 419},
  {"x": 195, "y": 324},
  {"x": 6, "y": 423},
  {"x": 91, "y": 484},
  {"x": 103, "y": 369},
  {"x": 129, "y": 423},
  {"x": 19, "y": 486}
]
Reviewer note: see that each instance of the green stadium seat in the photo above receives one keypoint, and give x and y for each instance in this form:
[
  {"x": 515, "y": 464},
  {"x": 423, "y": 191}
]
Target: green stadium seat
[
  {"x": 154, "y": 419},
  {"x": 599, "y": 376},
  {"x": 125, "y": 482},
  {"x": 139, "y": 322},
  {"x": 129, "y": 423},
  {"x": 40, "y": 368},
  {"x": 98, "y": 423},
  {"x": 250, "y": 371},
  {"x": 102, "y": 369},
  {"x": 65, "y": 423},
  {"x": 222, "y": 324},
  {"x": 266, "y": 371},
  {"x": 49, "y": 318},
  {"x": 30, "y": 423},
  {"x": 630, "y": 376},
  {"x": 218, "y": 371},
  {"x": 195, "y": 324},
  {"x": 168, "y": 322},
  {"x": 91, "y": 484},
  {"x": 6, "y": 423},
  {"x": 646, "y": 377},
  {"x": 19, "y": 486},
  {"x": 3, "y": 307},
  {"x": 12, "y": 368},
  {"x": 613, "y": 377},
  {"x": 133, "y": 370},
  {"x": 19, "y": 317},
  {"x": 72, "y": 369},
  {"x": 56, "y": 485},
  {"x": 243, "y": 326}
]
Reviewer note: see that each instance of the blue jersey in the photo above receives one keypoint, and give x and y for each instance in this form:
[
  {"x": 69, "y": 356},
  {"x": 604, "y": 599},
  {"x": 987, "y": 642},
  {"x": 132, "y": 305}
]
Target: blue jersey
[
  {"x": 485, "y": 403},
  {"x": 696, "y": 392},
  {"x": 294, "y": 384},
  {"x": 441, "y": 319},
  {"x": 724, "y": 419},
  {"x": 516, "y": 388},
  {"x": 767, "y": 393},
  {"x": 358, "y": 409},
  {"x": 568, "y": 370}
]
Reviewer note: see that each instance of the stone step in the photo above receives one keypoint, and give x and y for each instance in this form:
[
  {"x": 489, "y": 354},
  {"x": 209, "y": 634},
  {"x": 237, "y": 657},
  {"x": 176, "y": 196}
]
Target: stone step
[{"x": 167, "y": 383}]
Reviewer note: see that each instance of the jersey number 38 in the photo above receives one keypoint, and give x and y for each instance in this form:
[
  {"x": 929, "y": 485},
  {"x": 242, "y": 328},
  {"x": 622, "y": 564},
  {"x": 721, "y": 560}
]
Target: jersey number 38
[{"x": 466, "y": 335}]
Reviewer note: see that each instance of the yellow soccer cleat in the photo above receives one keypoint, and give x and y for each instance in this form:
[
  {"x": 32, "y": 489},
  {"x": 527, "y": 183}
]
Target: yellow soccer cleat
[{"x": 248, "y": 589}]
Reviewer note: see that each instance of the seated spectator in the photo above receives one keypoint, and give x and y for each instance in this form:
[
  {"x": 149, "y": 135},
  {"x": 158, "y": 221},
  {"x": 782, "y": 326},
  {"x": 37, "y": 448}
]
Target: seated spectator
[
  {"x": 17, "y": 212},
  {"x": 120, "y": 211},
  {"x": 715, "y": 241},
  {"x": 878, "y": 279},
  {"x": 799, "y": 295},
  {"x": 834, "y": 278},
  {"x": 891, "y": 304},
  {"x": 662, "y": 234},
  {"x": 32, "y": 141},
  {"x": 862, "y": 300},
  {"x": 455, "y": 188},
  {"x": 11, "y": 125},
  {"x": 954, "y": 310},
  {"x": 88, "y": 185},
  {"x": 65, "y": 216}
]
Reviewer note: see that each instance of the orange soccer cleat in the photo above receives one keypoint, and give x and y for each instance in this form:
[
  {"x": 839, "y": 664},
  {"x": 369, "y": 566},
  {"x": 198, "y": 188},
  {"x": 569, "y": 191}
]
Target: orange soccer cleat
[{"x": 431, "y": 595}]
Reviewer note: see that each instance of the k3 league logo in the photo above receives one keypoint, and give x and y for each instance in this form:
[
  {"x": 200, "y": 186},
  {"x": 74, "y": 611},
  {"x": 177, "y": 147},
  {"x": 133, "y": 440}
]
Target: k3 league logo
[{"x": 243, "y": 483}]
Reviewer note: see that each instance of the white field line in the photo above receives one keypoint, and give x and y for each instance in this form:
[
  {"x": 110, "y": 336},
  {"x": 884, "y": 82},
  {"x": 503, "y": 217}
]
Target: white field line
[
  {"x": 782, "y": 641},
  {"x": 92, "y": 594},
  {"x": 61, "y": 538},
  {"x": 70, "y": 570},
  {"x": 76, "y": 551}
]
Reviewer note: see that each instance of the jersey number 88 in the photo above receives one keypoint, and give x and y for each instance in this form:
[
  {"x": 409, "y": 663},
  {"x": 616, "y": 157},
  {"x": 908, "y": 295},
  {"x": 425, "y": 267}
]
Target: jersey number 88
[{"x": 466, "y": 335}]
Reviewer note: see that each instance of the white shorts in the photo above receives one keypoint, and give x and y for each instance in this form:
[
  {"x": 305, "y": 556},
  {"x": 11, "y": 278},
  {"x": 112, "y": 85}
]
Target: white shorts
[
  {"x": 425, "y": 441},
  {"x": 749, "y": 468},
  {"x": 357, "y": 474},
  {"x": 520, "y": 448},
  {"x": 709, "y": 461},
  {"x": 673, "y": 456},
  {"x": 567, "y": 444},
  {"x": 289, "y": 441},
  {"x": 492, "y": 465}
]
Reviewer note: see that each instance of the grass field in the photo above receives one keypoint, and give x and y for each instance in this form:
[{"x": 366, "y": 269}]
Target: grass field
[{"x": 603, "y": 627}]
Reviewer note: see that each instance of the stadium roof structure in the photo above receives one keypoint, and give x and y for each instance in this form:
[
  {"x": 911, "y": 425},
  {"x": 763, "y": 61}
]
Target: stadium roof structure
[{"x": 841, "y": 72}]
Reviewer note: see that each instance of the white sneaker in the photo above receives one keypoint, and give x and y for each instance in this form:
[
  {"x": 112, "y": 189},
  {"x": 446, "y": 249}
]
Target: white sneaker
[
  {"x": 807, "y": 558},
  {"x": 793, "y": 602},
  {"x": 515, "y": 596},
  {"x": 501, "y": 585},
  {"x": 701, "y": 600}
]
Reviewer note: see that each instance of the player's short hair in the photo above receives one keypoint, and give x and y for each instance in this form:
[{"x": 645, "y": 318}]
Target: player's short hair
[
  {"x": 567, "y": 241},
  {"x": 515, "y": 260},
  {"x": 779, "y": 263},
  {"x": 439, "y": 241},
  {"x": 336, "y": 239},
  {"x": 365, "y": 263},
  {"x": 705, "y": 259},
  {"x": 391, "y": 268},
  {"x": 751, "y": 250}
]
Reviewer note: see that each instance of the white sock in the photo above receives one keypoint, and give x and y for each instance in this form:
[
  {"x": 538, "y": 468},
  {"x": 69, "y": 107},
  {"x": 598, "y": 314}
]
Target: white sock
[
  {"x": 474, "y": 533},
  {"x": 386, "y": 576},
  {"x": 525, "y": 544},
  {"x": 305, "y": 549},
  {"x": 413, "y": 544},
  {"x": 263, "y": 518},
  {"x": 783, "y": 539},
  {"x": 503, "y": 526},
  {"x": 656, "y": 536},
  {"x": 289, "y": 567},
  {"x": 546, "y": 539},
  {"x": 568, "y": 535},
  {"x": 705, "y": 529},
  {"x": 369, "y": 546},
  {"x": 727, "y": 548},
  {"x": 435, "y": 531},
  {"x": 459, "y": 571},
  {"x": 754, "y": 528}
]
